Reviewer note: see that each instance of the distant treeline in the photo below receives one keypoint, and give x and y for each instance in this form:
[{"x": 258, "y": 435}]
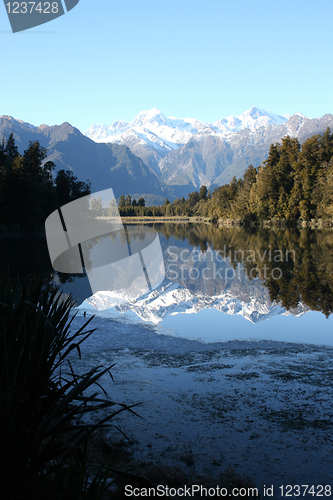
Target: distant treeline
[
  {"x": 294, "y": 183},
  {"x": 28, "y": 191}
]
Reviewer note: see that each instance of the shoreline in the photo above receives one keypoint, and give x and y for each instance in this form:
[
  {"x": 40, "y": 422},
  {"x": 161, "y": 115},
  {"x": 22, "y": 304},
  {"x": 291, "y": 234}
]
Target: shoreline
[
  {"x": 263, "y": 408},
  {"x": 269, "y": 223},
  {"x": 14, "y": 231},
  {"x": 318, "y": 223},
  {"x": 142, "y": 220}
]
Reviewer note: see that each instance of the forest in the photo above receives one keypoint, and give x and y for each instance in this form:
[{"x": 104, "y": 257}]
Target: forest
[
  {"x": 294, "y": 183},
  {"x": 28, "y": 190}
]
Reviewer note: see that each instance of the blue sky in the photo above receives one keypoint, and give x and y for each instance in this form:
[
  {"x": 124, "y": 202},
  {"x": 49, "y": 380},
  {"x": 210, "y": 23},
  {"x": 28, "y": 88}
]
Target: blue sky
[{"x": 106, "y": 60}]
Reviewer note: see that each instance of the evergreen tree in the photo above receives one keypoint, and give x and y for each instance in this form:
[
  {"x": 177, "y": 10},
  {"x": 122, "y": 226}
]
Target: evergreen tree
[
  {"x": 240, "y": 207},
  {"x": 68, "y": 188},
  {"x": 28, "y": 193},
  {"x": 3, "y": 155},
  {"x": 203, "y": 193},
  {"x": 11, "y": 149},
  {"x": 122, "y": 201}
]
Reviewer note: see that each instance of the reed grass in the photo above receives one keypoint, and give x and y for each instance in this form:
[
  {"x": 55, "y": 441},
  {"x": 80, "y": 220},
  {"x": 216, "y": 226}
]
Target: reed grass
[{"x": 43, "y": 402}]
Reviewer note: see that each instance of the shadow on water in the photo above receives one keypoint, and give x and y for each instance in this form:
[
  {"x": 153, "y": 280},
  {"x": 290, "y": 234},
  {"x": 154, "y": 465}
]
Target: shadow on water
[
  {"x": 26, "y": 255},
  {"x": 295, "y": 265}
]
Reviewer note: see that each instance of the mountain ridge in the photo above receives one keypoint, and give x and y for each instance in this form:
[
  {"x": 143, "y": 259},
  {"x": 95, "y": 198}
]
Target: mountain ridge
[
  {"x": 186, "y": 153},
  {"x": 253, "y": 118},
  {"x": 105, "y": 165},
  {"x": 161, "y": 157}
]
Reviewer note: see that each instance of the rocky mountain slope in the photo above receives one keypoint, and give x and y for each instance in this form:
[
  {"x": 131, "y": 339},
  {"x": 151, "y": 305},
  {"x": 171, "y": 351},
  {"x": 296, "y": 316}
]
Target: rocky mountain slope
[
  {"x": 104, "y": 165},
  {"x": 161, "y": 157},
  {"x": 186, "y": 153}
]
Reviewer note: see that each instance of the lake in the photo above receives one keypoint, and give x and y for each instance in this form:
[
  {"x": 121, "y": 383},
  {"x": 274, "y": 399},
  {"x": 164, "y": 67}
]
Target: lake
[
  {"x": 230, "y": 354},
  {"x": 245, "y": 284},
  {"x": 239, "y": 281}
]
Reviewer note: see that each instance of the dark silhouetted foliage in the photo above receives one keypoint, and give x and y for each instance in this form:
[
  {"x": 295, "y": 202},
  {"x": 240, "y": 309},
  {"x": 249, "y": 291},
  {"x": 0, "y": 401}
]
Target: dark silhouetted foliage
[{"x": 28, "y": 192}]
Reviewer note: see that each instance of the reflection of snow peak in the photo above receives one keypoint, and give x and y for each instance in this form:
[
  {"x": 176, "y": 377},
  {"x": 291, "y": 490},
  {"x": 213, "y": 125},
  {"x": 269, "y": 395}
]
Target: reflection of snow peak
[{"x": 171, "y": 299}]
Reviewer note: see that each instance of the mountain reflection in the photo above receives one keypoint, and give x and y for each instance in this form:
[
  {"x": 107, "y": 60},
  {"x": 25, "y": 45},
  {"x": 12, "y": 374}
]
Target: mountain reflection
[
  {"x": 255, "y": 272},
  {"x": 294, "y": 266}
]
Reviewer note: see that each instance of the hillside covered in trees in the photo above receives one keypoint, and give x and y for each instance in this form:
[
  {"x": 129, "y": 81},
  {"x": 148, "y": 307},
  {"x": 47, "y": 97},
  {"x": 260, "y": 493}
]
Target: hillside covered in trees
[
  {"x": 294, "y": 183},
  {"x": 28, "y": 191}
]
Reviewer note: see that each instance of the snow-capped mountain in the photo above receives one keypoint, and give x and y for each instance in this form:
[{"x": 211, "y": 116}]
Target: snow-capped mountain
[
  {"x": 161, "y": 157},
  {"x": 104, "y": 165},
  {"x": 252, "y": 119},
  {"x": 173, "y": 132},
  {"x": 186, "y": 153},
  {"x": 149, "y": 131}
]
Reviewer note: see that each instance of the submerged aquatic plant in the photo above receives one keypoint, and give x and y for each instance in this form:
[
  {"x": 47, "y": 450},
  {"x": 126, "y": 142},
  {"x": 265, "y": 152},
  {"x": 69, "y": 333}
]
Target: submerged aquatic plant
[{"x": 43, "y": 439}]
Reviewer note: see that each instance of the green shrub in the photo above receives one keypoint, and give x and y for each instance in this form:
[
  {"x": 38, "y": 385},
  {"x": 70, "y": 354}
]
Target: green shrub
[{"x": 43, "y": 441}]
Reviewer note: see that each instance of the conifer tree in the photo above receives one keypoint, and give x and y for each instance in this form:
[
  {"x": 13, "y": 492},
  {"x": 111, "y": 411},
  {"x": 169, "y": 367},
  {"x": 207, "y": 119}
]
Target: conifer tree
[{"x": 122, "y": 201}]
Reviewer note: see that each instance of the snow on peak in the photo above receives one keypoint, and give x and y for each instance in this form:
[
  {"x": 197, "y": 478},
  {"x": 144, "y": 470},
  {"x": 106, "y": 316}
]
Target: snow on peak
[
  {"x": 255, "y": 112},
  {"x": 252, "y": 119},
  {"x": 152, "y": 116},
  {"x": 174, "y": 132},
  {"x": 119, "y": 124}
]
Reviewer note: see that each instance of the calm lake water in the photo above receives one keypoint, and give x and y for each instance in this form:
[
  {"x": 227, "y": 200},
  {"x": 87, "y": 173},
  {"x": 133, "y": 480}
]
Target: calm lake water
[
  {"x": 220, "y": 284},
  {"x": 264, "y": 406}
]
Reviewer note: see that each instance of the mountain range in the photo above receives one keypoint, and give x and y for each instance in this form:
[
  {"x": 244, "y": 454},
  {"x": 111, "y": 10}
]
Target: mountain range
[
  {"x": 187, "y": 153},
  {"x": 104, "y": 165},
  {"x": 161, "y": 157}
]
